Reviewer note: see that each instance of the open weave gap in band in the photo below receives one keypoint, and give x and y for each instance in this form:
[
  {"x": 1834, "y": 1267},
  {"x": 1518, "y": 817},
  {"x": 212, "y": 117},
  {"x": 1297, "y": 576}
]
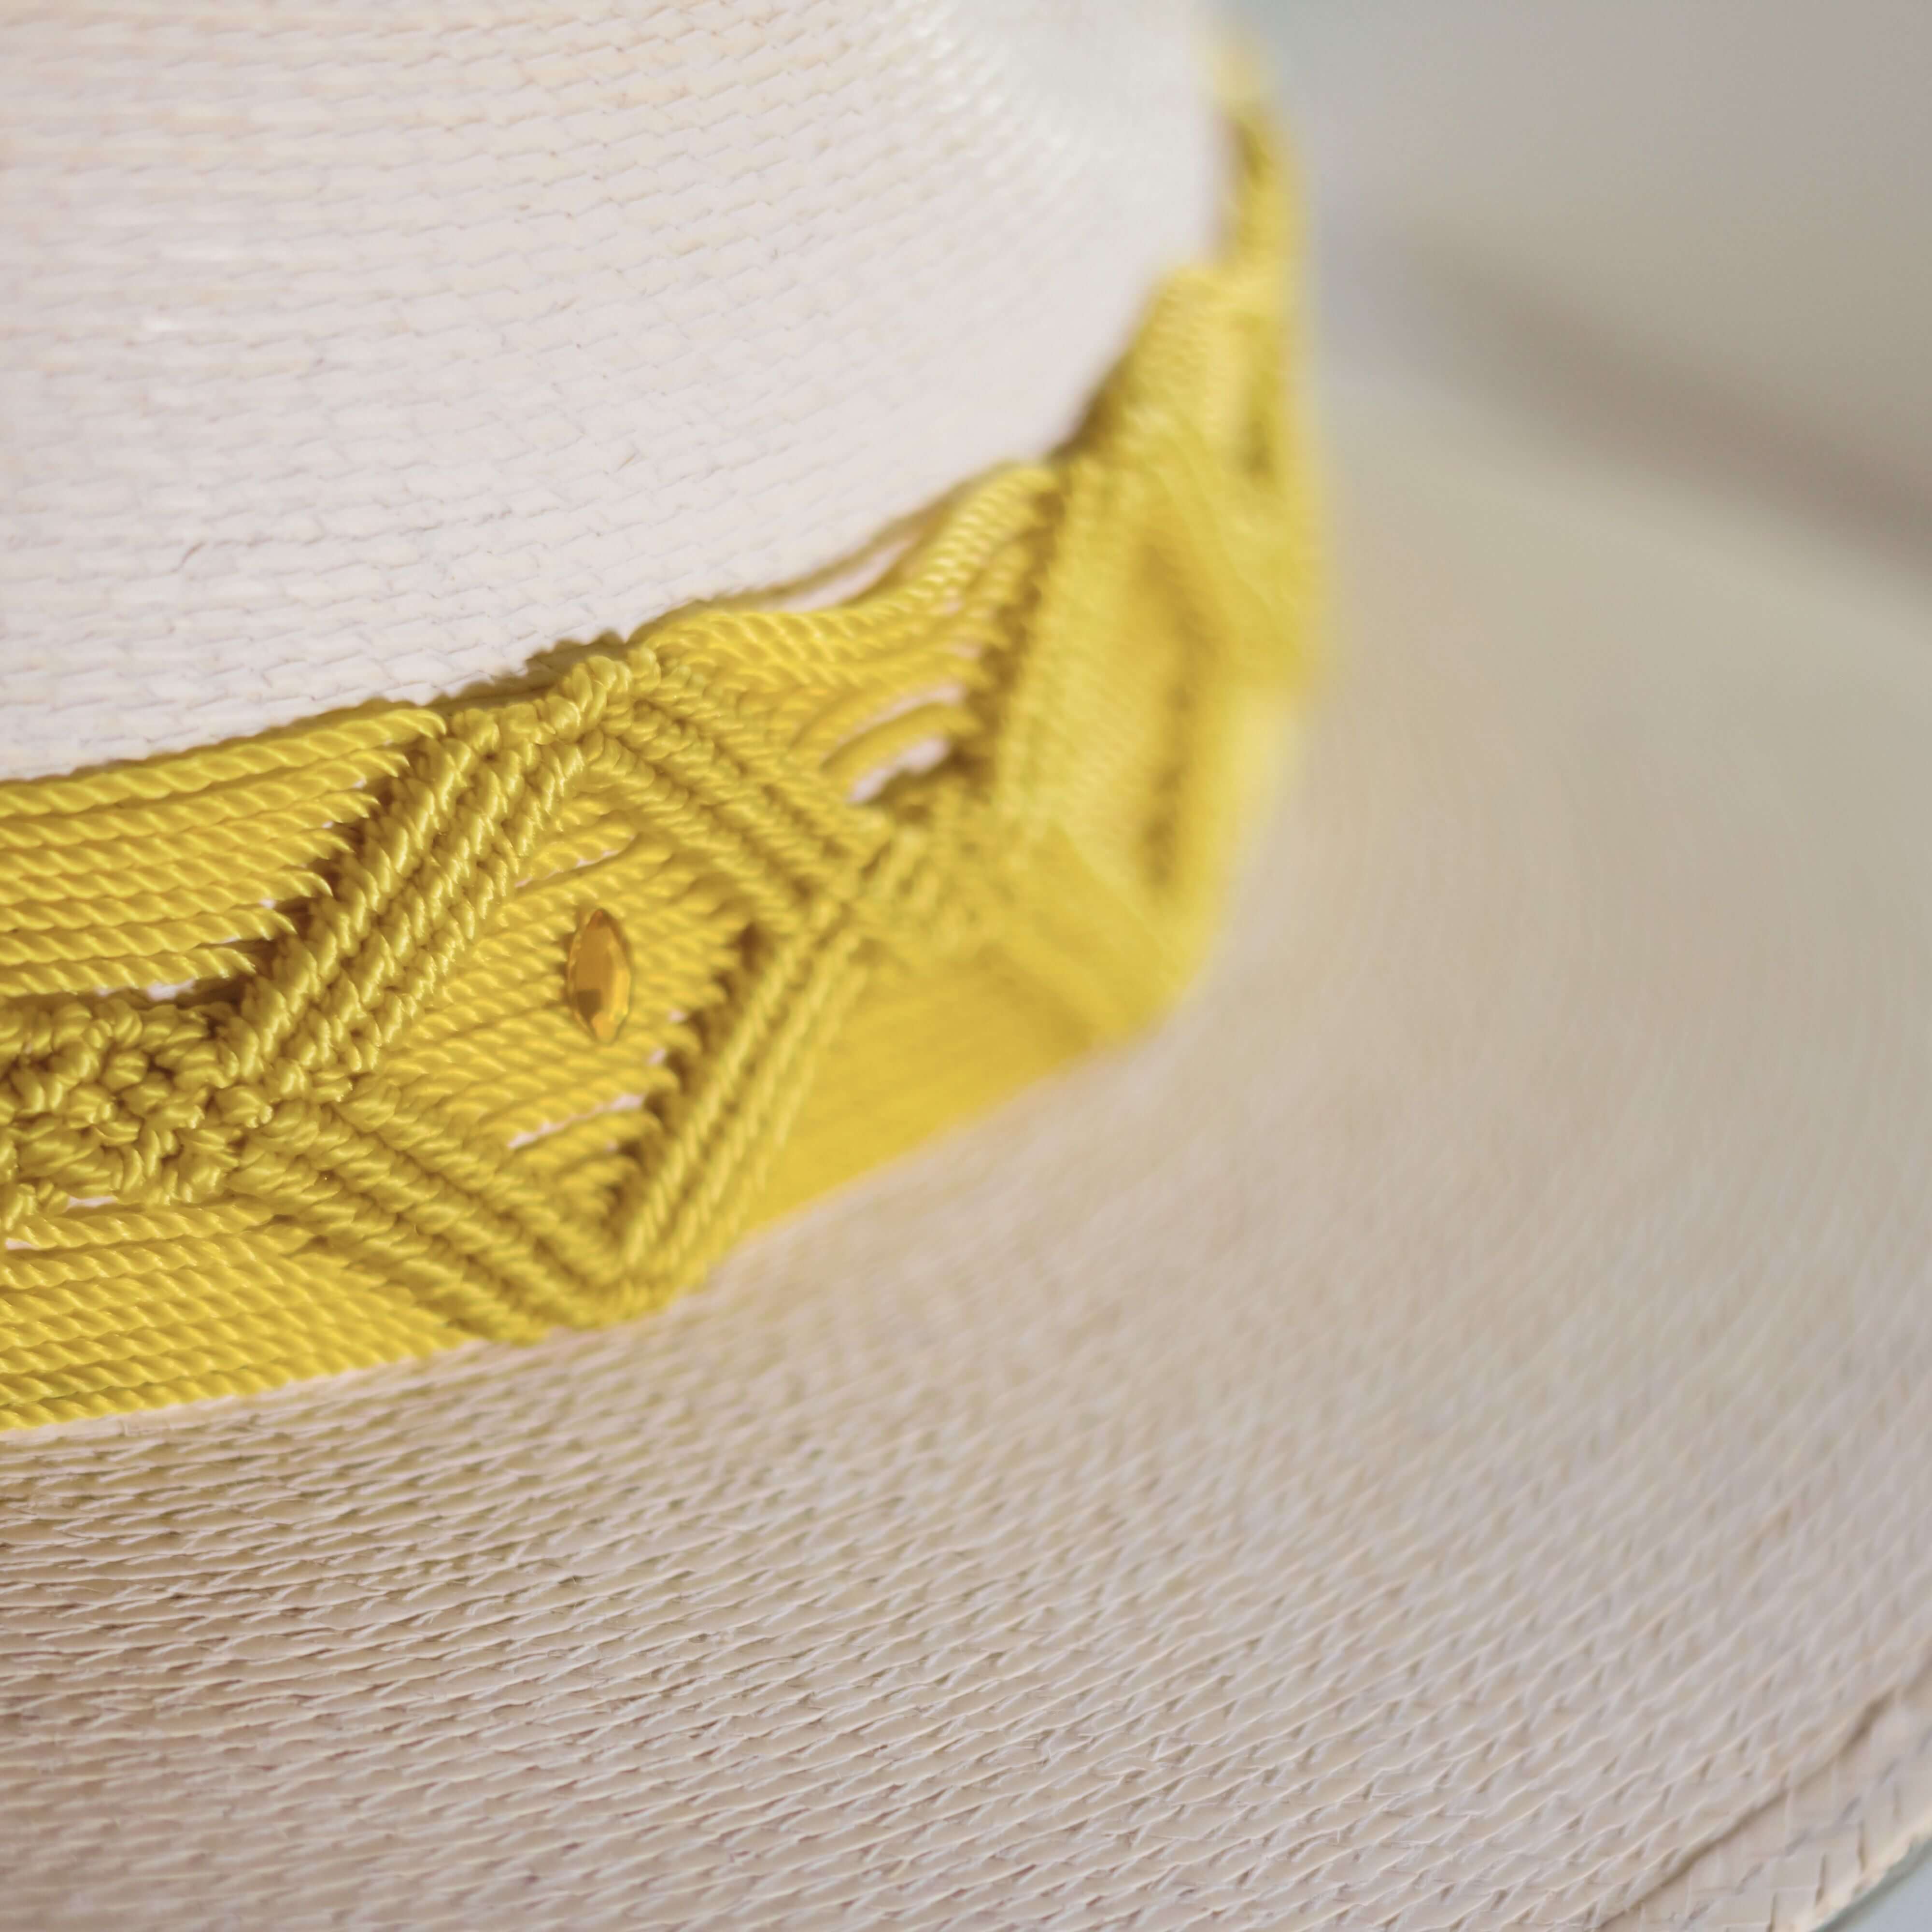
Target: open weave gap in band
[{"x": 288, "y": 1083}]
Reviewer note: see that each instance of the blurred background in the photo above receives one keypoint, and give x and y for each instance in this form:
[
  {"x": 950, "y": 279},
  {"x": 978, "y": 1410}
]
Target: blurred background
[
  {"x": 1697, "y": 233},
  {"x": 1690, "y": 238}
]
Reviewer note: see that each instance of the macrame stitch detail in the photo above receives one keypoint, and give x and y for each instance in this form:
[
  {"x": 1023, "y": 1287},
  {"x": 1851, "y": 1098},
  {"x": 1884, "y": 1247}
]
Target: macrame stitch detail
[{"x": 288, "y": 1081}]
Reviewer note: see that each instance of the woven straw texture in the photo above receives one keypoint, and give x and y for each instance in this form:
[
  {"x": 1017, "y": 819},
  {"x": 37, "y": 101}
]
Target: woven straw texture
[
  {"x": 360, "y": 348},
  {"x": 1435, "y": 1437}
]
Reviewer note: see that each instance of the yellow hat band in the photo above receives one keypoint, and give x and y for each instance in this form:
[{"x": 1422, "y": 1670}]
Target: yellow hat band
[{"x": 353, "y": 1042}]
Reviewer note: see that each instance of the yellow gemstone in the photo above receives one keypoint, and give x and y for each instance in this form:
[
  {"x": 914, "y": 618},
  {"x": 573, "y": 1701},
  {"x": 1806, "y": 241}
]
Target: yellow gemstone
[{"x": 597, "y": 976}]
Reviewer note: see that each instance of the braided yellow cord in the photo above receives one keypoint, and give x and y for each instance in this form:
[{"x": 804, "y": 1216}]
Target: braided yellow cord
[{"x": 289, "y": 1082}]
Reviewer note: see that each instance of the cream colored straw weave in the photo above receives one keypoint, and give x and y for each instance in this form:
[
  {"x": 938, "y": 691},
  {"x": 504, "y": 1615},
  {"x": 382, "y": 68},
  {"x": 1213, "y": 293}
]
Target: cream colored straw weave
[
  {"x": 1436, "y": 1437},
  {"x": 367, "y": 348}
]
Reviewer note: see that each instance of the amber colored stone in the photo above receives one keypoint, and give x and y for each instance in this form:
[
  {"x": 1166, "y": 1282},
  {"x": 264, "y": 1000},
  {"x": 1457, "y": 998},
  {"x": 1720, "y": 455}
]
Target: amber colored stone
[{"x": 597, "y": 976}]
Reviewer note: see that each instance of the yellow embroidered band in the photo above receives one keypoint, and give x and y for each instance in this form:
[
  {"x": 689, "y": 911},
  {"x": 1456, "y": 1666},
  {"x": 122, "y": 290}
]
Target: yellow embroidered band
[{"x": 353, "y": 1042}]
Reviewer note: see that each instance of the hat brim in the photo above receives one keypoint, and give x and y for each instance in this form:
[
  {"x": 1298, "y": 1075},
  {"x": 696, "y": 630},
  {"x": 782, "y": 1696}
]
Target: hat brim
[{"x": 1436, "y": 1435}]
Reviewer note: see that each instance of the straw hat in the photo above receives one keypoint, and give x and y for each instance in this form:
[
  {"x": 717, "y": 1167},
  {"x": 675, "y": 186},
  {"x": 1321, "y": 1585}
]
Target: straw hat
[{"x": 1430, "y": 1433}]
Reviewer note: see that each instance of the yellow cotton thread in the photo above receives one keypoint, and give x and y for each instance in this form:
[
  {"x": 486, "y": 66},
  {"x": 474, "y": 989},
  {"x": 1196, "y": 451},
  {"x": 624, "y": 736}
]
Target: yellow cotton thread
[{"x": 287, "y": 1085}]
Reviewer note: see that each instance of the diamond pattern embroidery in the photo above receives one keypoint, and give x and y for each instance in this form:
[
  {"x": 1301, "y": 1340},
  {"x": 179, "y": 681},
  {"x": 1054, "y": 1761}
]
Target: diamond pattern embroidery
[{"x": 308, "y": 990}]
